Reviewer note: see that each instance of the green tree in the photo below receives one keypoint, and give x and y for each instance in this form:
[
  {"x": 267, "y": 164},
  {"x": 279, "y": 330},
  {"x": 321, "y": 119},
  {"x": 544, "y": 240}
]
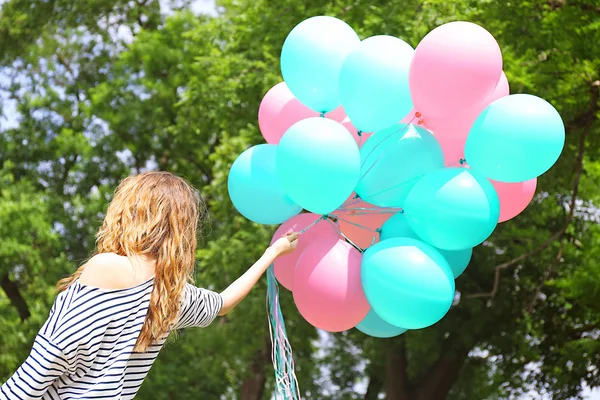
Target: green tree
[{"x": 107, "y": 87}]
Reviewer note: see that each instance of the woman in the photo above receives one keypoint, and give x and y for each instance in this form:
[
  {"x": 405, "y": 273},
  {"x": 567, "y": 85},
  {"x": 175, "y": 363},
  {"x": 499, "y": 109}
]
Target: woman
[{"x": 114, "y": 313}]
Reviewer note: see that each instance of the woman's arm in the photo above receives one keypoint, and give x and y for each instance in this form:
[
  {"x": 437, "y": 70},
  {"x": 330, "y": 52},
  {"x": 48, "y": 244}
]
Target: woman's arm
[{"x": 238, "y": 290}]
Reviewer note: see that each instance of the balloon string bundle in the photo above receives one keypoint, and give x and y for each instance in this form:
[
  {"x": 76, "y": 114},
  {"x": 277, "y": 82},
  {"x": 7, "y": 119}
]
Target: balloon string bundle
[{"x": 286, "y": 384}]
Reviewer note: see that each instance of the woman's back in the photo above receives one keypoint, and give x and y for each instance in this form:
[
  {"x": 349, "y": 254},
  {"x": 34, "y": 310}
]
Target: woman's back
[
  {"x": 85, "y": 348},
  {"x": 114, "y": 314}
]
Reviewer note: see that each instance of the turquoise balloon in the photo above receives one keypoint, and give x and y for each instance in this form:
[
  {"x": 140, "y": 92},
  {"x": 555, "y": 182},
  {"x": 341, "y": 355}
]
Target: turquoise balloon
[
  {"x": 374, "y": 83},
  {"x": 397, "y": 226},
  {"x": 254, "y": 187},
  {"x": 515, "y": 139},
  {"x": 453, "y": 208},
  {"x": 393, "y": 160},
  {"x": 407, "y": 282},
  {"x": 318, "y": 164},
  {"x": 312, "y": 57},
  {"x": 374, "y": 325}
]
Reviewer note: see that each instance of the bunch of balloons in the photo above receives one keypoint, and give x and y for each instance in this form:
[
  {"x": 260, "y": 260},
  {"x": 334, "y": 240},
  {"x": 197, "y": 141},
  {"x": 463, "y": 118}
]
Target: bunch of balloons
[{"x": 395, "y": 162}]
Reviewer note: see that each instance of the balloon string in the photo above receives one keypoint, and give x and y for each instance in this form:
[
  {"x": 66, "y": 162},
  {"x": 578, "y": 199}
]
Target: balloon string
[
  {"x": 384, "y": 139},
  {"x": 321, "y": 218},
  {"x": 401, "y": 131},
  {"x": 395, "y": 186},
  {"x": 388, "y": 209},
  {"x": 355, "y": 224},
  {"x": 286, "y": 383},
  {"x": 346, "y": 238},
  {"x": 352, "y": 214}
]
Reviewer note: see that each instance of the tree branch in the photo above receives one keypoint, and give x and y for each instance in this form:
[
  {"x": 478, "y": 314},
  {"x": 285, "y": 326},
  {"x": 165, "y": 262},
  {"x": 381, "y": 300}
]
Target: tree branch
[
  {"x": 547, "y": 274},
  {"x": 588, "y": 117},
  {"x": 14, "y": 295}
]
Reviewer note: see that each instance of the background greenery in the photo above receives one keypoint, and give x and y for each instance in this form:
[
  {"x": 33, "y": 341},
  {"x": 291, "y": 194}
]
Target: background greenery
[{"x": 93, "y": 90}]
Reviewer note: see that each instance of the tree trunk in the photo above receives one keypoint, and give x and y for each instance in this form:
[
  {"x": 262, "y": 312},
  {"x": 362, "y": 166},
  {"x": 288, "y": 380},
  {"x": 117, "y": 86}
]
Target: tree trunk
[
  {"x": 14, "y": 295},
  {"x": 253, "y": 386},
  {"x": 396, "y": 377},
  {"x": 437, "y": 382},
  {"x": 374, "y": 388}
]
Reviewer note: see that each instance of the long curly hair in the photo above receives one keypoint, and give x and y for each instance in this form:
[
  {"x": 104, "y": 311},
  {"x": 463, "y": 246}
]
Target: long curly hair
[{"x": 153, "y": 214}]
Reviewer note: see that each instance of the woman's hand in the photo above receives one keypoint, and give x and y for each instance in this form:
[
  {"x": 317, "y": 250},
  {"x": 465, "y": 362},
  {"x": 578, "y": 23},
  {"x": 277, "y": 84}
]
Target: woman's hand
[
  {"x": 286, "y": 244},
  {"x": 239, "y": 289}
]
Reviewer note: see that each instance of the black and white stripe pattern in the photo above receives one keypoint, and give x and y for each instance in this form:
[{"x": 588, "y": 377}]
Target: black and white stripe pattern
[{"x": 85, "y": 348}]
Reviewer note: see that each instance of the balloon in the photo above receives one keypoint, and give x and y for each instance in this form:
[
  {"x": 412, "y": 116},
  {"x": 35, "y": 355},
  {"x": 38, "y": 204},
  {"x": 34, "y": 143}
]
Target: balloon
[
  {"x": 323, "y": 232},
  {"x": 318, "y": 164},
  {"x": 374, "y": 82},
  {"x": 361, "y": 137},
  {"x": 455, "y": 66},
  {"x": 392, "y": 161},
  {"x": 312, "y": 57},
  {"x": 369, "y": 220},
  {"x": 453, "y": 149},
  {"x": 279, "y": 110},
  {"x": 374, "y": 325},
  {"x": 453, "y": 208},
  {"x": 459, "y": 125},
  {"x": 407, "y": 282},
  {"x": 514, "y": 197},
  {"x": 327, "y": 287},
  {"x": 397, "y": 226},
  {"x": 517, "y": 138},
  {"x": 255, "y": 190}
]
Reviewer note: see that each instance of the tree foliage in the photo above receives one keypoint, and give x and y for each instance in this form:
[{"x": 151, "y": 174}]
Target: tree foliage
[{"x": 95, "y": 90}]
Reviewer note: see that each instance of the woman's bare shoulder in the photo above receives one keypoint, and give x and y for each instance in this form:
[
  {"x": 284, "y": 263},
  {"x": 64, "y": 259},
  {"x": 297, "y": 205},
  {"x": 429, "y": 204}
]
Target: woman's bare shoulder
[{"x": 108, "y": 271}]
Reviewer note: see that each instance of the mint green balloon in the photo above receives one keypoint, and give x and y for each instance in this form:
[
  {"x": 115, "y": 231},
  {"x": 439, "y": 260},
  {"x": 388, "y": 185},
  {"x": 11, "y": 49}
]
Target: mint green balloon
[
  {"x": 255, "y": 190},
  {"x": 311, "y": 59},
  {"x": 374, "y": 83},
  {"x": 407, "y": 282},
  {"x": 374, "y": 325},
  {"x": 318, "y": 164},
  {"x": 515, "y": 139},
  {"x": 397, "y": 226},
  {"x": 393, "y": 160},
  {"x": 453, "y": 208}
]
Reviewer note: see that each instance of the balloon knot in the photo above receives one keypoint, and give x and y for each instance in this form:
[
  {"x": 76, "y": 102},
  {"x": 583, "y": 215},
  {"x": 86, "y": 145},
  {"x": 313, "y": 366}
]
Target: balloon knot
[
  {"x": 401, "y": 211},
  {"x": 356, "y": 196},
  {"x": 418, "y": 115},
  {"x": 322, "y": 114},
  {"x": 463, "y": 161},
  {"x": 378, "y": 230}
]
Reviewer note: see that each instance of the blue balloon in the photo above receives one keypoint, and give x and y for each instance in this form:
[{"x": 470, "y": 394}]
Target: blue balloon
[
  {"x": 453, "y": 208},
  {"x": 515, "y": 139},
  {"x": 397, "y": 226},
  {"x": 393, "y": 160},
  {"x": 374, "y": 83},
  {"x": 407, "y": 282},
  {"x": 254, "y": 187},
  {"x": 311, "y": 59},
  {"x": 318, "y": 164},
  {"x": 374, "y": 325}
]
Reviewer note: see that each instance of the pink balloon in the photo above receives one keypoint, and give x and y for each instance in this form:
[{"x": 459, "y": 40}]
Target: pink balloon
[
  {"x": 371, "y": 220},
  {"x": 279, "y": 110},
  {"x": 411, "y": 118},
  {"x": 455, "y": 66},
  {"x": 453, "y": 149},
  {"x": 459, "y": 125},
  {"x": 323, "y": 232},
  {"x": 327, "y": 287},
  {"x": 514, "y": 197}
]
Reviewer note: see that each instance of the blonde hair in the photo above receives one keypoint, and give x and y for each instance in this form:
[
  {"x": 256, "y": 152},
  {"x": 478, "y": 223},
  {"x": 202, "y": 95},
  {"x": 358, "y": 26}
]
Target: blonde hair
[{"x": 153, "y": 214}]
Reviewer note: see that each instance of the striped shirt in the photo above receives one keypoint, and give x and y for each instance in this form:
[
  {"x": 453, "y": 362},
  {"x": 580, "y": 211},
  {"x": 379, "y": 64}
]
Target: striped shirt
[{"x": 85, "y": 348}]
